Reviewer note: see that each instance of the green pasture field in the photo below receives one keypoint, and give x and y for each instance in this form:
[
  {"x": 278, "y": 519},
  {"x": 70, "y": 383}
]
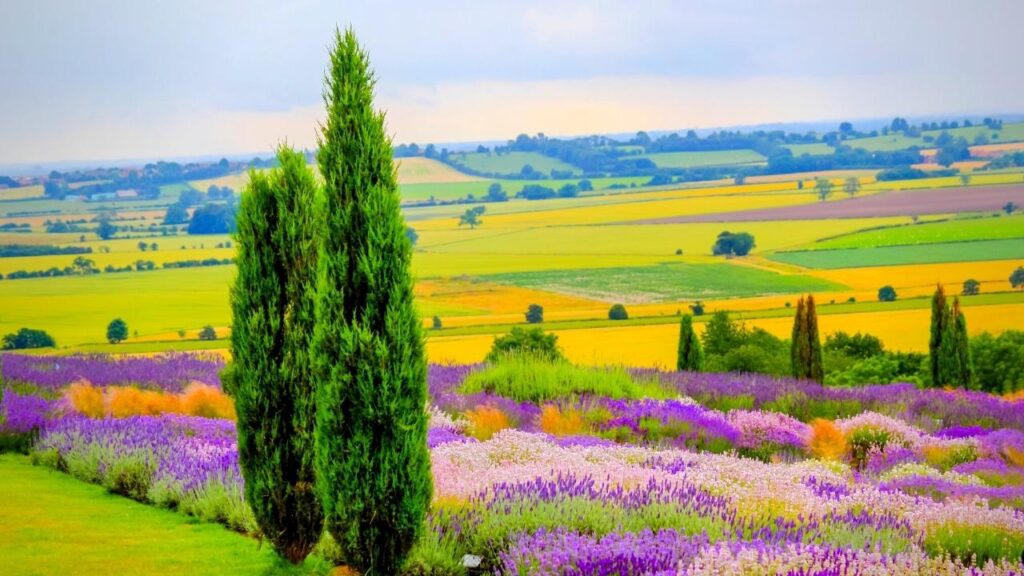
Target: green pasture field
[
  {"x": 666, "y": 282},
  {"x": 956, "y": 230},
  {"x": 889, "y": 142},
  {"x": 1006, "y": 249},
  {"x": 1011, "y": 132},
  {"x": 698, "y": 159},
  {"x": 51, "y": 523},
  {"x": 511, "y": 162},
  {"x": 815, "y": 149}
]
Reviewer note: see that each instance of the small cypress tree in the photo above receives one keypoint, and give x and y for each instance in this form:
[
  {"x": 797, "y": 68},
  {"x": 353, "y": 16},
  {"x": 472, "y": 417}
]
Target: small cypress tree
[
  {"x": 940, "y": 314},
  {"x": 965, "y": 374},
  {"x": 372, "y": 462},
  {"x": 690, "y": 357},
  {"x": 805, "y": 347},
  {"x": 817, "y": 370},
  {"x": 797, "y": 355},
  {"x": 272, "y": 304}
]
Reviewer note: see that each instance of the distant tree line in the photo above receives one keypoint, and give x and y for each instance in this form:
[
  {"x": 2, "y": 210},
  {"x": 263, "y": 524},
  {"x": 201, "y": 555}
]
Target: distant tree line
[{"x": 22, "y": 250}]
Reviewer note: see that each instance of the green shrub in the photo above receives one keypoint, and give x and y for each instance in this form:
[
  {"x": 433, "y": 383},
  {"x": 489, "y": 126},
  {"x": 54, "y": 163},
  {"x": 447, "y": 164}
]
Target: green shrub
[
  {"x": 974, "y": 544},
  {"x": 618, "y": 312},
  {"x": 532, "y": 342}
]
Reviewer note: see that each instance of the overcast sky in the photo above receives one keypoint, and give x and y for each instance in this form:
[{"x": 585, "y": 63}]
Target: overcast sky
[{"x": 117, "y": 79}]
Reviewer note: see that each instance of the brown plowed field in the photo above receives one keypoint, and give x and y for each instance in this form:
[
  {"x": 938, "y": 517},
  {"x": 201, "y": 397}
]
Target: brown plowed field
[{"x": 903, "y": 203}]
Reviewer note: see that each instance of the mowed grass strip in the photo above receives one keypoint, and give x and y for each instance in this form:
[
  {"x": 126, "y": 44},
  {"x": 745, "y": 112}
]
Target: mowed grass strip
[
  {"x": 929, "y": 232},
  {"x": 666, "y": 282},
  {"x": 51, "y": 523},
  {"x": 895, "y": 255},
  {"x": 703, "y": 158}
]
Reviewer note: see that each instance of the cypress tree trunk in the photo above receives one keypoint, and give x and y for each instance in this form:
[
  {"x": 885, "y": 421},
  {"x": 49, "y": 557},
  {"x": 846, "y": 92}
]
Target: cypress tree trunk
[
  {"x": 938, "y": 327},
  {"x": 690, "y": 356},
  {"x": 815, "y": 369},
  {"x": 272, "y": 304},
  {"x": 798, "y": 353},
  {"x": 372, "y": 462}
]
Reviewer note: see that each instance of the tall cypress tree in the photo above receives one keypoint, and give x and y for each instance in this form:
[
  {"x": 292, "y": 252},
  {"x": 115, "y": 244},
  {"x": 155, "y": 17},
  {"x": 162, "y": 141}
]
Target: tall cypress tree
[
  {"x": 372, "y": 462},
  {"x": 940, "y": 314},
  {"x": 272, "y": 304},
  {"x": 690, "y": 356}
]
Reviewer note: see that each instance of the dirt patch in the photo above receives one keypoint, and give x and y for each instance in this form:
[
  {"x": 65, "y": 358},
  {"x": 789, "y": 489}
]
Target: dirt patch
[{"x": 902, "y": 203}]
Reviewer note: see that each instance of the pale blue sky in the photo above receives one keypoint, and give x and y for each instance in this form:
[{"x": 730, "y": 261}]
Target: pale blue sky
[{"x": 112, "y": 79}]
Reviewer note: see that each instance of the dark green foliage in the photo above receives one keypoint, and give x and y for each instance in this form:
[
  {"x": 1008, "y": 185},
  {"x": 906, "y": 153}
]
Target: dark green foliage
[
  {"x": 1017, "y": 277},
  {"x": 805, "y": 347},
  {"x": 856, "y": 346},
  {"x": 534, "y": 314},
  {"x": 117, "y": 331},
  {"x": 971, "y": 287},
  {"x": 999, "y": 361},
  {"x": 412, "y": 235},
  {"x": 948, "y": 345},
  {"x": 697, "y": 308},
  {"x": 471, "y": 217},
  {"x": 690, "y": 356},
  {"x": 886, "y": 294},
  {"x": 618, "y": 312},
  {"x": 273, "y": 310},
  {"x": 212, "y": 219},
  {"x": 729, "y": 244},
  {"x": 105, "y": 229},
  {"x": 436, "y": 323},
  {"x": 27, "y": 338},
  {"x": 527, "y": 342},
  {"x": 372, "y": 462},
  {"x": 722, "y": 334},
  {"x": 938, "y": 329},
  {"x": 208, "y": 333},
  {"x": 176, "y": 214}
]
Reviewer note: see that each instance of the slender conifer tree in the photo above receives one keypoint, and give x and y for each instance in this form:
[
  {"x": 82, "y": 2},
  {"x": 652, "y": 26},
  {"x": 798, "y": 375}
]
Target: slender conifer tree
[
  {"x": 372, "y": 462},
  {"x": 805, "y": 347},
  {"x": 690, "y": 356},
  {"x": 272, "y": 304},
  {"x": 940, "y": 314}
]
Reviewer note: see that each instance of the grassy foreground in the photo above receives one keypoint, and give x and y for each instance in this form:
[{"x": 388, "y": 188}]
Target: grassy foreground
[{"x": 53, "y": 524}]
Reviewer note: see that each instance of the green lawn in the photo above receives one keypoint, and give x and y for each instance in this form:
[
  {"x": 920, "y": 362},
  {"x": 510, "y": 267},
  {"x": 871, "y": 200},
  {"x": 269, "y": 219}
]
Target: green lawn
[
  {"x": 1010, "y": 133},
  {"x": 666, "y": 282},
  {"x": 930, "y": 232},
  {"x": 511, "y": 162},
  {"x": 51, "y": 523},
  {"x": 896, "y": 255},
  {"x": 709, "y": 158}
]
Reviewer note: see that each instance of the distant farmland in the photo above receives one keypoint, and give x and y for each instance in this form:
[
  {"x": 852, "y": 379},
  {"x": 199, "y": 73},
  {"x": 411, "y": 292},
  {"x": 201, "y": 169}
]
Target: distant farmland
[
  {"x": 697, "y": 159},
  {"x": 511, "y": 162},
  {"x": 934, "y": 201},
  {"x": 919, "y": 254}
]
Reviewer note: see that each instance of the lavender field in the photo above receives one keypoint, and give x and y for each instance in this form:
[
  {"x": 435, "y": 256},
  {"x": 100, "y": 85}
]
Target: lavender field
[{"x": 714, "y": 474}]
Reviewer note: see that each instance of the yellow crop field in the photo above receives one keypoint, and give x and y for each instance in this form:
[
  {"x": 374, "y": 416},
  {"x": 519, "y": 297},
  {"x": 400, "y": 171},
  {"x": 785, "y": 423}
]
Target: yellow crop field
[
  {"x": 21, "y": 193},
  {"x": 965, "y": 166},
  {"x": 433, "y": 264},
  {"x": 660, "y": 240},
  {"x": 419, "y": 170},
  {"x": 655, "y": 345},
  {"x": 993, "y": 274},
  {"x": 495, "y": 298},
  {"x": 865, "y": 176}
]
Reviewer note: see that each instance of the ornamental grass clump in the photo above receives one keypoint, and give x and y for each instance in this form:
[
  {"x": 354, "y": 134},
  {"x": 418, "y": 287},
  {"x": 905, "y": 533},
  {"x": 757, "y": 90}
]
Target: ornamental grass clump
[
  {"x": 197, "y": 399},
  {"x": 827, "y": 441},
  {"x": 527, "y": 379},
  {"x": 486, "y": 421},
  {"x": 559, "y": 422}
]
